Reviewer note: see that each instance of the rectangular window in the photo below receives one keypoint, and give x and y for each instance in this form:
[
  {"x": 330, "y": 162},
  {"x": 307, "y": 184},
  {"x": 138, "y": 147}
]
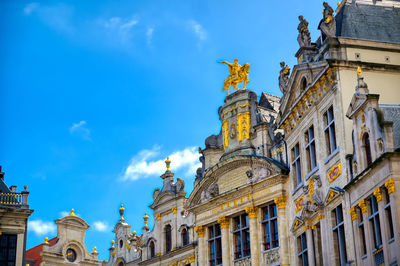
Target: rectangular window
[
  {"x": 361, "y": 231},
  {"x": 302, "y": 256},
  {"x": 214, "y": 244},
  {"x": 388, "y": 213},
  {"x": 338, "y": 235},
  {"x": 374, "y": 221},
  {"x": 241, "y": 235},
  {"x": 330, "y": 135},
  {"x": 8, "y": 248},
  {"x": 296, "y": 166},
  {"x": 310, "y": 149},
  {"x": 270, "y": 226}
]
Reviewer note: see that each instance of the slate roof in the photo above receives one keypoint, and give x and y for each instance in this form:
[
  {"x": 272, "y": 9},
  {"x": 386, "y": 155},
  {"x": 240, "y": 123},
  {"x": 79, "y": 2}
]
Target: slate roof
[
  {"x": 392, "y": 113},
  {"x": 369, "y": 22}
]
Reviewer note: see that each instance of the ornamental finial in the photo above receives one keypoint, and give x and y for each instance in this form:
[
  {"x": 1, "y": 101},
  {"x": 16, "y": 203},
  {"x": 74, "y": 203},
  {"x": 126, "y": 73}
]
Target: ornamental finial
[
  {"x": 46, "y": 242},
  {"x": 112, "y": 243},
  {"x": 121, "y": 212},
  {"x": 359, "y": 71},
  {"x": 72, "y": 213},
  {"x": 168, "y": 163}
]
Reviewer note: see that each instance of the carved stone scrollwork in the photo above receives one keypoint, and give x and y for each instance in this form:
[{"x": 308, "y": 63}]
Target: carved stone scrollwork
[
  {"x": 257, "y": 174},
  {"x": 272, "y": 257},
  {"x": 210, "y": 193}
]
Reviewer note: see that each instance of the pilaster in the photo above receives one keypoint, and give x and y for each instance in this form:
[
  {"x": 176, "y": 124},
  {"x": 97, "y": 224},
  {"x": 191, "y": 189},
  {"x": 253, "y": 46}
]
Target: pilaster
[
  {"x": 282, "y": 229},
  {"x": 202, "y": 256},
  {"x": 254, "y": 246},
  {"x": 226, "y": 256}
]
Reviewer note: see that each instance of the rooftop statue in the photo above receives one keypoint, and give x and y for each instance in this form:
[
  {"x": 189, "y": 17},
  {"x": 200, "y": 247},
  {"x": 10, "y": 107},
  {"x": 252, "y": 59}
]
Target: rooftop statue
[
  {"x": 328, "y": 23},
  {"x": 237, "y": 74},
  {"x": 304, "y": 37},
  {"x": 284, "y": 77}
]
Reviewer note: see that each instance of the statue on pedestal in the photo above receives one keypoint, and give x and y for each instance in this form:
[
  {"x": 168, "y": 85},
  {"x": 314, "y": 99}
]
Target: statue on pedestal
[
  {"x": 237, "y": 74},
  {"x": 304, "y": 37},
  {"x": 328, "y": 23},
  {"x": 284, "y": 77}
]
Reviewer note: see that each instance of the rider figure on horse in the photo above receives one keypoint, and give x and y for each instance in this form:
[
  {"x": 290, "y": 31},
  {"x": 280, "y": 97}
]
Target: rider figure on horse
[{"x": 234, "y": 75}]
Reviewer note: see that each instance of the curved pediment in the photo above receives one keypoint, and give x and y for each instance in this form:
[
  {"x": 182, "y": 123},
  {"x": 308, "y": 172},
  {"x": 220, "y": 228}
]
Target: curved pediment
[
  {"x": 74, "y": 221},
  {"x": 230, "y": 174}
]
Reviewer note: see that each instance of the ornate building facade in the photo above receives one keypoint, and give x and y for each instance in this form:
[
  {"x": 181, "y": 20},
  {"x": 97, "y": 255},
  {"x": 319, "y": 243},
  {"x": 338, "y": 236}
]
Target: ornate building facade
[
  {"x": 67, "y": 248},
  {"x": 307, "y": 179}
]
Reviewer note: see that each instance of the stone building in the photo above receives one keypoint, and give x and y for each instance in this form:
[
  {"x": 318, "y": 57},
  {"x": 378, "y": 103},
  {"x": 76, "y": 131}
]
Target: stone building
[
  {"x": 14, "y": 214},
  {"x": 67, "y": 248},
  {"x": 306, "y": 179}
]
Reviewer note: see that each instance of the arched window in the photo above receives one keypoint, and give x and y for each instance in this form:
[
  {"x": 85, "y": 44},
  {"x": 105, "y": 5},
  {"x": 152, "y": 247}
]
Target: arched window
[
  {"x": 185, "y": 237},
  {"x": 303, "y": 84},
  {"x": 168, "y": 244},
  {"x": 121, "y": 264},
  {"x": 367, "y": 148},
  {"x": 152, "y": 249}
]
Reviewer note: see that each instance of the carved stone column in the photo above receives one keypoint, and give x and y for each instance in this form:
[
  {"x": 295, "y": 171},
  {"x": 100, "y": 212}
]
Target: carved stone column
[
  {"x": 393, "y": 195},
  {"x": 310, "y": 245},
  {"x": 254, "y": 245},
  {"x": 368, "y": 234},
  {"x": 282, "y": 230},
  {"x": 382, "y": 222},
  {"x": 202, "y": 255},
  {"x": 226, "y": 256}
]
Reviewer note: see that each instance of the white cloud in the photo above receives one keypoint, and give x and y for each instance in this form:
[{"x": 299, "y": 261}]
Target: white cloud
[
  {"x": 141, "y": 165},
  {"x": 40, "y": 227},
  {"x": 100, "y": 226},
  {"x": 198, "y": 29},
  {"x": 29, "y": 8},
  {"x": 80, "y": 130},
  {"x": 64, "y": 213}
]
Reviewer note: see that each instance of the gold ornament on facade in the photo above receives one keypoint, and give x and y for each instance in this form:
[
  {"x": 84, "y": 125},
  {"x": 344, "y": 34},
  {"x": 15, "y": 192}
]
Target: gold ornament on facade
[
  {"x": 353, "y": 213},
  {"x": 311, "y": 190},
  {"x": 72, "y": 213},
  {"x": 225, "y": 133},
  {"x": 223, "y": 222},
  {"x": 237, "y": 74},
  {"x": 127, "y": 245},
  {"x": 158, "y": 216},
  {"x": 362, "y": 204},
  {"x": 378, "y": 194},
  {"x": 280, "y": 202},
  {"x": 145, "y": 218},
  {"x": 122, "y": 211},
  {"x": 389, "y": 184},
  {"x": 174, "y": 209},
  {"x": 244, "y": 126},
  {"x": 94, "y": 250},
  {"x": 46, "y": 242},
  {"x": 359, "y": 71},
  {"x": 200, "y": 230},
  {"x": 252, "y": 212},
  {"x": 332, "y": 194},
  {"x": 168, "y": 163}
]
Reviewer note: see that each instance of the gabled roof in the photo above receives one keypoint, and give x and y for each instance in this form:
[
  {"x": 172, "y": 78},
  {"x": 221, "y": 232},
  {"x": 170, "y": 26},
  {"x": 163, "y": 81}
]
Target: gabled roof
[{"x": 369, "y": 22}]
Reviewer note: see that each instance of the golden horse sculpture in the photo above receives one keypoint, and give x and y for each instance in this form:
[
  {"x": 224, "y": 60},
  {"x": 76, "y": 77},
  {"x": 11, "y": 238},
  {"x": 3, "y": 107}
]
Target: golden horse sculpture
[{"x": 237, "y": 74}]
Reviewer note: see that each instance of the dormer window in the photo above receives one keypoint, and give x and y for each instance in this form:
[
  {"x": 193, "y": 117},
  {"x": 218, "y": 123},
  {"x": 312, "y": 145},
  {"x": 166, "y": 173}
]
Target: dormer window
[
  {"x": 367, "y": 148},
  {"x": 168, "y": 244}
]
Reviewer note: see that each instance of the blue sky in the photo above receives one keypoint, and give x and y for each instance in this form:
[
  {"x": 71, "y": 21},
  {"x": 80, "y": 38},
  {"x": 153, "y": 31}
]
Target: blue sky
[{"x": 96, "y": 94}]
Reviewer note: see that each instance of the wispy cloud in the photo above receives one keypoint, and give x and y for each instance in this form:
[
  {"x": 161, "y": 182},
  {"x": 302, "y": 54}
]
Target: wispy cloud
[
  {"x": 58, "y": 17},
  {"x": 41, "y": 228},
  {"x": 149, "y": 35},
  {"x": 80, "y": 129},
  {"x": 120, "y": 27},
  {"x": 145, "y": 163},
  {"x": 198, "y": 30},
  {"x": 100, "y": 226}
]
